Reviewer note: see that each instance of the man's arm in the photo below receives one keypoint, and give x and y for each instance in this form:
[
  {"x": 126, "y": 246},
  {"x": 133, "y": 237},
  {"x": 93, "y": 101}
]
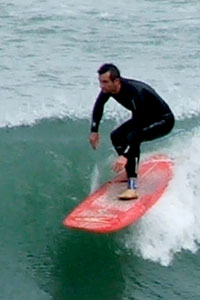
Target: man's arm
[
  {"x": 96, "y": 118},
  {"x": 98, "y": 111}
]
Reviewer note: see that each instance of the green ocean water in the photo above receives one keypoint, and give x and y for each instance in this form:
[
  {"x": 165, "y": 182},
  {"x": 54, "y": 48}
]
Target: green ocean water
[{"x": 45, "y": 171}]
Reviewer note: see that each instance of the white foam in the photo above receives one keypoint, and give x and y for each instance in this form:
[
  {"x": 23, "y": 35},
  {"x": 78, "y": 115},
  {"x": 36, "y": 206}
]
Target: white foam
[
  {"x": 173, "y": 224},
  {"x": 94, "y": 178}
]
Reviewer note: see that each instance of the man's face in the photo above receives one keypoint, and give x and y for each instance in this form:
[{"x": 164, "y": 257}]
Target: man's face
[{"x": 107, "y": 85}]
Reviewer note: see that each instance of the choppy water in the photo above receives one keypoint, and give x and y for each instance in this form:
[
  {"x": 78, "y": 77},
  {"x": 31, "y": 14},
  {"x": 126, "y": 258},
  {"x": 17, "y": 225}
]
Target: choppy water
[{"x": 49, "y": 55}]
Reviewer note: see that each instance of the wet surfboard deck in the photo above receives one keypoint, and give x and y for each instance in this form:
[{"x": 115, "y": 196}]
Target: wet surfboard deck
[{"x": 103, "y": 212}]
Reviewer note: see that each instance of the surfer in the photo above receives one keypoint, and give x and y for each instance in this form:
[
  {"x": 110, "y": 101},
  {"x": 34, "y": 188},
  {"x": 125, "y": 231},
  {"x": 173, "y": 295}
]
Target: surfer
[{"x": 151, "y": 118}]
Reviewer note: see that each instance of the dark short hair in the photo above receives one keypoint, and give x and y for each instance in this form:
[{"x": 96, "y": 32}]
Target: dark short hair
[{"x": 114, "y": 71}]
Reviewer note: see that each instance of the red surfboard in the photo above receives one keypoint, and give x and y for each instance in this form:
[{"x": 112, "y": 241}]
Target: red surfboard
[{"x": 103, "y": 212}]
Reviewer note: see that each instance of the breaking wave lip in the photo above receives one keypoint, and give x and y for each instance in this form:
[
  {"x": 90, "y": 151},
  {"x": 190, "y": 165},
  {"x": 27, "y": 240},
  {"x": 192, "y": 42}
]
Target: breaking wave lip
[
  {"x": 33, "y": 116},
  {"x": 172, "y": 226}
]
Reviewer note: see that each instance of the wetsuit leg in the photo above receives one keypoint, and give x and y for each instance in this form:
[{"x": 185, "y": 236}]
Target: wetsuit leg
[
  {"x": 154, "y": 131},
  {"x": 135, "y": 138},
  {"x": 158, "y": 129},
  {"x": 133, "y": 153},
  {"x": 126, "y": 141},
  {"x": 119, "y": 136}
]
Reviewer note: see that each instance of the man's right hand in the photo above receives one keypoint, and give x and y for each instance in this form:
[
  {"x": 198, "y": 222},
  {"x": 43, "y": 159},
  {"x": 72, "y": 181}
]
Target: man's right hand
[{"x": 94, "y": 140}]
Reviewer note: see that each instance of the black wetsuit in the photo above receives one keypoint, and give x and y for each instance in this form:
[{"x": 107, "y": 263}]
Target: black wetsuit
[{"x": 151, "y": 118}]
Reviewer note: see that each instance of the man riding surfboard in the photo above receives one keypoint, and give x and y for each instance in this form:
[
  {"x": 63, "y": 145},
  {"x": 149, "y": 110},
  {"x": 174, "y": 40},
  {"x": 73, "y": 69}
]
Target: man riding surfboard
[{"x": 151, "y": 118}]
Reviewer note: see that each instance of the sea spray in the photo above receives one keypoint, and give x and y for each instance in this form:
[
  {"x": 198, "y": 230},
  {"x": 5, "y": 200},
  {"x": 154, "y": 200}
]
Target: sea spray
[
  {"x": 94, "y": 178},
  {"x": 172, "y": 225}
]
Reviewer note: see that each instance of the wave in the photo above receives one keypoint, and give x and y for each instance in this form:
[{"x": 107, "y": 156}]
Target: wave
[
  {"x": 29, "y": 117},
  {"x": 172, "y": 226}
]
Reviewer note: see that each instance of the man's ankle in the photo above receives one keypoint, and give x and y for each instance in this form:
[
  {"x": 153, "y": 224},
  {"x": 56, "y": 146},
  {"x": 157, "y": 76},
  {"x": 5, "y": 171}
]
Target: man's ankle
[{"x": 132, "y": 183}]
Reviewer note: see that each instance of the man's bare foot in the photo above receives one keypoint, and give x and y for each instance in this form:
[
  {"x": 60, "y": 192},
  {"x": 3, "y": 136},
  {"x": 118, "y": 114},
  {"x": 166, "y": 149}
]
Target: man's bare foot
[{"x": 129, "y": 194}]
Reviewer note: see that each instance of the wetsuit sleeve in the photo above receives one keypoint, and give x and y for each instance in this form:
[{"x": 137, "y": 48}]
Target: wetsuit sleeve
[{"x": 98, "y": 111}]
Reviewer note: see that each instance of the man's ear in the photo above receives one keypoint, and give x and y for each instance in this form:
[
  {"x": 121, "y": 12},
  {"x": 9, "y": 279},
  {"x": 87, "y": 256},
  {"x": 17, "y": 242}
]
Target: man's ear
[{"x": 117, "y": 80}]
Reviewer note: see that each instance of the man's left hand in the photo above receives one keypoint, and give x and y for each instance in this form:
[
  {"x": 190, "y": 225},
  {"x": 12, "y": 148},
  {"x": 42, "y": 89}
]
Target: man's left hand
[{"x": 119, "y": 164}]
